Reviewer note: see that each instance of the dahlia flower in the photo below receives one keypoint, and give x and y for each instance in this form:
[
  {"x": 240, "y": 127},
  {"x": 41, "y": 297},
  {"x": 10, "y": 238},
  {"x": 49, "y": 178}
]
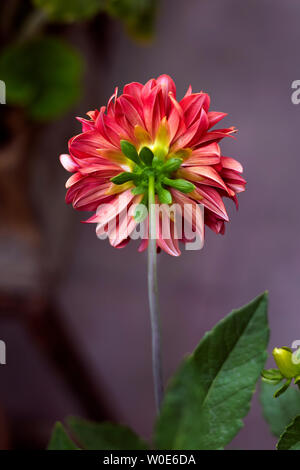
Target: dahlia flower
[
  {"x": 146, "y": 150},
  {"x": 145, "y": 135}
]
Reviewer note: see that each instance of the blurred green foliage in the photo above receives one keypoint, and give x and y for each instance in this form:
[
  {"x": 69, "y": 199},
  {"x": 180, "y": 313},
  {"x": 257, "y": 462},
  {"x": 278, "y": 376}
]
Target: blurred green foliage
[
  {"x": 279, "y": 412},
  {"x": 43, "y": 75},
  {"x": 60, "y": 439},
  {"x": 137, "y": 15},
  {"x": 70, "y": 10}
]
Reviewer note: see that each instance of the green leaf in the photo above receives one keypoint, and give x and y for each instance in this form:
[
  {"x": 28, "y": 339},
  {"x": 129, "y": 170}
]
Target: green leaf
[
  {"x": 104, "y": 436},
  {"x": 70, "y": 10},
  {"x": 290, "y": 439},
  {"x": 271, "y": 376},
  {"x": 207, "y": 399},
  {"x": 94, "y": 436},
  {"x": 278, "y": 412},
  {"x": 124, "y": 177},
  {"x": 43, "y": 75},
  {"x": 138, "y": 16},
  {"x": 283, "y": 389},
  {"x": 180, "y": 184},
  {"x": 139, "y": 190},
  {"x": 165, "y": 197},
  {"x": 60, "y": 439},
  {"x": 130, "y": 151},
  {"x": 146, "y": 155},
  {"x": 172, "y": 165}
]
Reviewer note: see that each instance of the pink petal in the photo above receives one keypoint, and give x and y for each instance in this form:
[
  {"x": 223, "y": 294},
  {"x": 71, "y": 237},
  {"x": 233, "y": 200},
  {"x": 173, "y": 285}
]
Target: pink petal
[
  {"x": 95, "y": 195},
  {"x": 126, "y": 223},
  {"x": 84, "y": 147},
  {"x": 201, "y": 128},
  {"x": 113, "y": 158},
  {"x": 68, "y": 163},
  {"x": 73, "y": 179},
  {"x": 214, "y": 223},
  {"x": 143, "y": 245},
  {"x": 214, "y": 118},
  {"x": 134, "y": 89},
  {"x": 132, "y": 110},
  {"x": 231, "y": 164},
  {"x": 207, "y": 155},
  {"x": 189, "y": 101},
  {"x": 147, "y": 88},
  {"x": 190, "y": 212},
  {"x": 236, "y": 188},
  {"x": 192, "y": 134},
  {"x": 123, "y": 244},
  {"x": 109, "y": 129},
  {"x": 233, "y": 176},
  {"x": 107, "y": 169},
  {"x": 170, "y": 243},
  {"x": 193, "y": 111},
  {"x": 112, "y": 103},
  {"x": 176, "y": 119},
  {"x": 118, "y": 204},
  {"x": 167, "y": 85},
  {"x": 152, "y": 110},
  {"x": 93, "y": 114},
  {"x": 212, "y": 200},
  {"x": 87, "y": 124},
  {"x": 123, "y": 229},
  {"x": 216, "y": 136},
  {"x": 145, "y": 230},
  {"x": 204, "y": 175},
  {"x": 85, "y": 185},
  {"x": 188, "y": 91}
]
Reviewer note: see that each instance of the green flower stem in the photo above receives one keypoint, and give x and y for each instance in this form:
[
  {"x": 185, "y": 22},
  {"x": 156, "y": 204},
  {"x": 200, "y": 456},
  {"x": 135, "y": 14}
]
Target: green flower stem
[{"x": 153, "y": 298}]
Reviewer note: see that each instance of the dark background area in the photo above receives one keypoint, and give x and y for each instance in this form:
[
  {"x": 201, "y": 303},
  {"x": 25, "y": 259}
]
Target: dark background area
[{"x": 73, "y": 310}]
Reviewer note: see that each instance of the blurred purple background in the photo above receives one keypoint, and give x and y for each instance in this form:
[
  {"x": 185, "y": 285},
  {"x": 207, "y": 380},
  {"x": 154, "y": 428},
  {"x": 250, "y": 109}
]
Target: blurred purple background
[{"x": 245, "y": 55}]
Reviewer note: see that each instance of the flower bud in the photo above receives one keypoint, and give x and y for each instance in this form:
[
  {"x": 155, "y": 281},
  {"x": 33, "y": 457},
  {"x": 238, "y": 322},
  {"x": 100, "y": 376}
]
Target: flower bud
[{"x": 284, "y": 360}]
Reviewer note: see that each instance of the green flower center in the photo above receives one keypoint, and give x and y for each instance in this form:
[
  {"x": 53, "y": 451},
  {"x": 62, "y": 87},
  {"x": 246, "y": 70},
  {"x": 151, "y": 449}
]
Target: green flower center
[{"x": 147, "y": 166}]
